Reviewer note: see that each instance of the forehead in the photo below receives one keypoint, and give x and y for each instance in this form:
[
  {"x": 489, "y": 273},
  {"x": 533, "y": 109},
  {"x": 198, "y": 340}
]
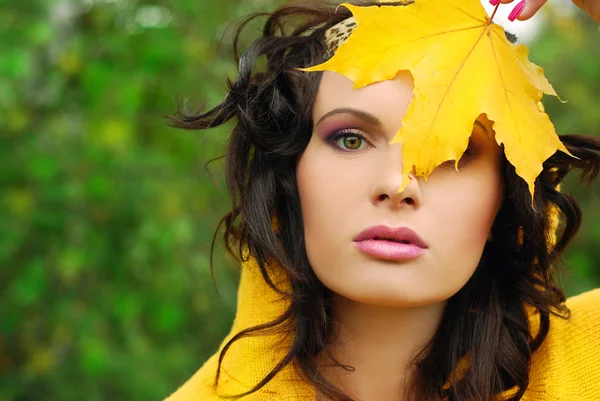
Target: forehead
[{"x": 387, "y": 100}]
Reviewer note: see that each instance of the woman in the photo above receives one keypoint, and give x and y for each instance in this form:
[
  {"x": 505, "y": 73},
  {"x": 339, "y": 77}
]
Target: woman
[{"x": 351, "y": 290}]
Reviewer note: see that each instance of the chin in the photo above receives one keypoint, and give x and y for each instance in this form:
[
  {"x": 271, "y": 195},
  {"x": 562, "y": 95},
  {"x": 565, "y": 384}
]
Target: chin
[
  {"x": 405, "y": 295},
  {"x": 402, "y": 302}
]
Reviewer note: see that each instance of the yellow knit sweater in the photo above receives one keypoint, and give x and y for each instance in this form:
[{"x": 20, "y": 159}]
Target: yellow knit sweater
[{"x": 565, "y": 368}]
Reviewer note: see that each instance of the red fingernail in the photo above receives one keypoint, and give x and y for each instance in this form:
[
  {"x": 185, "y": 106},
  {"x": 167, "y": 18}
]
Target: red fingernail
[
  {"x": 514, "y": 14},
  {"x": 494, "y": 2}
]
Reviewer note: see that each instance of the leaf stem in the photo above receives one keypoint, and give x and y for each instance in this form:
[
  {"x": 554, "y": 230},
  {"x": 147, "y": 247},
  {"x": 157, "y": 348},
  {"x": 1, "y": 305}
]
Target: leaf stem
[{"x": 494, "y": 13}]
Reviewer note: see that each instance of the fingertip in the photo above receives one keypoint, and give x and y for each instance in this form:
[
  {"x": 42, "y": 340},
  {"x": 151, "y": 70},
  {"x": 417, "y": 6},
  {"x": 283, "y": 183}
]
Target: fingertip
[
  {"x": 527, "y": 13},
  {"x": 518, "y": 11},
  {"x": 496, "y": 2},
  {"x": 530, "y": 9}
]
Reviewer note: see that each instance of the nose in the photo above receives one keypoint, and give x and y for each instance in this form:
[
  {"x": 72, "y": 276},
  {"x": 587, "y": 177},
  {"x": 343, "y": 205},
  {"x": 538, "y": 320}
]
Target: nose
[{"x": 388, "y": 179}]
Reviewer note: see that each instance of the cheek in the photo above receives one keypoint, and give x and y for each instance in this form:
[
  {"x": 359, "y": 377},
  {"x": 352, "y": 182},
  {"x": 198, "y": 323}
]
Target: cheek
[
  {"x": 332, "y": 191},
  {"x": 316, "y": 188},
  {"x": 323, "y": 189},
  {"x": 466, "y": 206},
  {"x": 317, "y": 192}
]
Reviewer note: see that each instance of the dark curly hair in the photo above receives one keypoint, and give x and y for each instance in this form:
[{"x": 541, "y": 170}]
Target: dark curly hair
[{"x": 272, "y": 109}]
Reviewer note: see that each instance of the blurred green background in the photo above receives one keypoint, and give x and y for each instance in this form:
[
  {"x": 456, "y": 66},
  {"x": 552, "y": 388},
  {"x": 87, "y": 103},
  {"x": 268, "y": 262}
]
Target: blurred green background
[{"x": 107, "y": 214}]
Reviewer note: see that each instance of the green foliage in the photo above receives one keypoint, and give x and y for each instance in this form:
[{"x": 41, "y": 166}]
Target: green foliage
[{"x": 107, "y": 214}]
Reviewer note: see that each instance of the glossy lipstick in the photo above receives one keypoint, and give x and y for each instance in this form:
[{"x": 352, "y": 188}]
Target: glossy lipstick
[{"x": 390, "y": 243}]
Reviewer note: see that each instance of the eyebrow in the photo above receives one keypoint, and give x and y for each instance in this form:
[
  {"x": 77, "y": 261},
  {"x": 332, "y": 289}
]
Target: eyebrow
[
  {"x": 363, "y": 115},
  {"x": 370, "y": 118}
]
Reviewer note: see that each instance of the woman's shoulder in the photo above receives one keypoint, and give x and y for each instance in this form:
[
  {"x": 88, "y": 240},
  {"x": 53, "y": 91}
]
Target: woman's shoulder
[
  {"x": 581, "y": 331},
  {"x": 586, "y": 297},
  {"x": 567, "y": 365},
  {"x": 240, "y": 377}
]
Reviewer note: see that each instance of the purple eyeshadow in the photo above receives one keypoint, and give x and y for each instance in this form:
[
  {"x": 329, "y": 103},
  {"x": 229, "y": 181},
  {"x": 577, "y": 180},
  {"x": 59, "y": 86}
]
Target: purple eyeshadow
[{"x": 329, "y": 127}]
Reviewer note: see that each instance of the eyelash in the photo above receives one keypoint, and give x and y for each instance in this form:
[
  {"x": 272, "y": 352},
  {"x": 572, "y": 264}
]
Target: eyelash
[{"x": 332, "y": 139}]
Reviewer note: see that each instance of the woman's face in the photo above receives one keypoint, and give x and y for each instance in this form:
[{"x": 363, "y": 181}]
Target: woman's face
[{"x": 349, "y": 182}]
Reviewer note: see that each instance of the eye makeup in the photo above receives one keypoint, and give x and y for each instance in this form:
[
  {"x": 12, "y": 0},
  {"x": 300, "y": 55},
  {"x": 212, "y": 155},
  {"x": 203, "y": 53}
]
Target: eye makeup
[
  {"x": 345, "y": 119},
  {"x": 332, "y": 130},
  {"x": 334, "y": 125},
  {"x": 333, "y": 139}
]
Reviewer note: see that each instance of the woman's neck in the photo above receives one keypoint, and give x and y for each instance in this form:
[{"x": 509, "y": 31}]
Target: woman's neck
[{"x": 380, "y": 343}]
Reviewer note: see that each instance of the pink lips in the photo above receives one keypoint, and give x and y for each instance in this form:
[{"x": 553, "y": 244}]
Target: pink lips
[{"x": 390, "y": 243}]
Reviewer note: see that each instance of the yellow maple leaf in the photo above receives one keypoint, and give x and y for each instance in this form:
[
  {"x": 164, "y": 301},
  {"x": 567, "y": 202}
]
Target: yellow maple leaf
[{"x": 462, "y": 65}]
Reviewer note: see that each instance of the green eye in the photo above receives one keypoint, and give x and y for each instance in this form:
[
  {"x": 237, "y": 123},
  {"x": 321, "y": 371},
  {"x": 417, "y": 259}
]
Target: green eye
[
  {"x": 348, "y": 141},
  {"x": 351, "y": 142}
]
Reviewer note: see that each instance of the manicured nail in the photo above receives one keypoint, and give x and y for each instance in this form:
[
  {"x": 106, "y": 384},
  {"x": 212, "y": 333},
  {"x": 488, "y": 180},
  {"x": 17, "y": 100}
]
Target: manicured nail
[
  {"x": 514, "y": 14},
  {"x": 494, "y": 2}
]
